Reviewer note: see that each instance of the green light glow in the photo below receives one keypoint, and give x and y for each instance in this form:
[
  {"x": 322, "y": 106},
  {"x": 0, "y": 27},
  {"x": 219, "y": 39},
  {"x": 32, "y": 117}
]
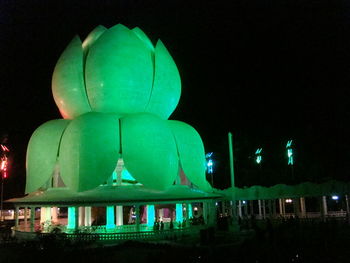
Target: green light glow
[
  {"x": 191, "y": 153},
  {"x": 114, "y": 175},
  {"x": 116, "y": 80},
  {"x": 290, "y": 152},
  {"x": 68, "y": 86},
  {"x": 179, "y": 213},
  {"x": 150, "y": 215},
  {"x": 95, "y": 74},
  {"x": 127, "y": 176},
  {"x": 89, "y": 150},
  {"x": 258, "y": 155},
  {"x": 149, "y": 150},
  {"x": 190, "y": 213},
  {"x": 110, "y": 217},
  {"x": 42, "y": 153},
  {"x": 71, "y": 217}
]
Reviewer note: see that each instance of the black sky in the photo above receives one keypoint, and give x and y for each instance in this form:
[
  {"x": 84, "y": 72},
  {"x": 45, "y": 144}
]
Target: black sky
[{"x": 268, "y": 71}]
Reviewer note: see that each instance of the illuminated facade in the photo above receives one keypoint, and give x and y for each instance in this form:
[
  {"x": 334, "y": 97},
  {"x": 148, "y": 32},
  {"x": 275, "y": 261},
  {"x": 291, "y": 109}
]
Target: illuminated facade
[{"x": 115, "y": 147}]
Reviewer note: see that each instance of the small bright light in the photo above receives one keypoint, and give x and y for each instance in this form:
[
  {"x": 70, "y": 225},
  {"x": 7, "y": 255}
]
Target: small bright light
[
  {"x": 335, "y": 197},
  {"x": 216, "y": 203},
  {"x": 258, "y": 159},
  {"x": 243, "y": 202},
  {"x": 258, "y": 155},
  {"x": 289, "y": 200},
  {"x": 195, "y": 208}
]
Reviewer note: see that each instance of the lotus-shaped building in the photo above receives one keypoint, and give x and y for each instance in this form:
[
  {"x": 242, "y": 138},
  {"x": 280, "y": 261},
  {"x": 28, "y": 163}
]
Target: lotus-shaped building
[{"x": 115, "y": 150}]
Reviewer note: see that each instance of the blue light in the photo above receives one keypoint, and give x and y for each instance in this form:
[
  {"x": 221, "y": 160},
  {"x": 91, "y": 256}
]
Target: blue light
[
  {"x": 335, "y": 197},
  {"x": 258, "y": 155},
  {"x": 210, "y": 163},
  {"x": 290, "y": 152},
  {"x": 150, "y": 215}
]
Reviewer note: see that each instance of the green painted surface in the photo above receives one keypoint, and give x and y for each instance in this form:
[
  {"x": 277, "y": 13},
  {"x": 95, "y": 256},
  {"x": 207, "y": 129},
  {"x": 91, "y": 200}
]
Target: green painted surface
[
  {"x": 92, "y": 38},
  {"x": 149, "y": 150},
  {"x": 68, "y": 86},
  {"x": 42, "y": 153},
  {"x": 191, "y": 152},
  {"x": 119, "y": 72},
  {"x": 110, "y": 217},
  {"x": 140, "y": 34},
  {"x": 89, "y": 150},
  {"x": 167, "y": 84}
]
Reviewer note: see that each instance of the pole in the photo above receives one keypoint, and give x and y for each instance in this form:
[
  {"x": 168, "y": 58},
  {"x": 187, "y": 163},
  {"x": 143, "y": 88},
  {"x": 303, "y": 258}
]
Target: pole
[
  {"x": 2, "y": 197},
  {"x": 232, "y": 175},
  {"x": 231, "y": 159}
]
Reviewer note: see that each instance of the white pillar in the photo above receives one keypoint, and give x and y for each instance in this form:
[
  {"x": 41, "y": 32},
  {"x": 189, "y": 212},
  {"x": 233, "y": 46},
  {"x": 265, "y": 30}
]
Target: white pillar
[
  {"x": 324, "y": 210},
  {"x": 119, "y": 215},
  {"x": 240, "y": 208},
  {"x": 150, "y": 215},
  {"x": 73, "y": 218},
  {"x": 280, "y": 202},
  {"x": 161, "y": 214},
  {"x": 45, "y": 214},
  {"x": 223, "y": 211},
  {"x": 32, "y": 219},
  {"x": 259, "y": 206},
  {"x": 110, "y": 217},
  {"x": 54, "y": 214},
  {"x": 25, "y": 218},
  {"x": 16, "y": 216},
  {"x": 347, "y": 208},
  {"x": 302, "y": 207},
  {"x": 87, "y": 217},
  {"x": 81, "y": 216}
]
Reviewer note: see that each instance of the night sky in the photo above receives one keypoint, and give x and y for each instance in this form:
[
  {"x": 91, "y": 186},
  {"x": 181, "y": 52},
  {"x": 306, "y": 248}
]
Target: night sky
[{"x": 268, "y": 71}]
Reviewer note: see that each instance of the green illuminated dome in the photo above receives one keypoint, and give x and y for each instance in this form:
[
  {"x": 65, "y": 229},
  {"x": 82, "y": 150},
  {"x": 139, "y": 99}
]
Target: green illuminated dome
[
  {"x": 116, "y": 70},
  {"x": 115, "y": 92}
]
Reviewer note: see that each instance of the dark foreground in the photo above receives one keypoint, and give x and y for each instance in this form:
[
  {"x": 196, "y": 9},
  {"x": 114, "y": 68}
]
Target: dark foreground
[{"x": 282, "y": 241}]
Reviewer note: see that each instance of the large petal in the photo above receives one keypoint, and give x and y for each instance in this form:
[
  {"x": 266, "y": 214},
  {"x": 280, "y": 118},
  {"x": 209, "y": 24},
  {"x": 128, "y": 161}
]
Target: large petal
[
  {"x": 149, "y": 150},
  {"x": 119, "y": 72},
  {"x": 167, "y": 84},
  {"x": 89, "y": 150},
  {"x": 68, "y": 86},
  {"x": 191, "y": 152},
  {"x": 92, "y": 37},
  {"x": 42, "y": 153},
  {"x": 139, "y": 33}
]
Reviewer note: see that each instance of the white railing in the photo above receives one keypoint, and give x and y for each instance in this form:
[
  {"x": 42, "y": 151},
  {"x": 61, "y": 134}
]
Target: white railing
[{"x": 168, "y": 234}]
